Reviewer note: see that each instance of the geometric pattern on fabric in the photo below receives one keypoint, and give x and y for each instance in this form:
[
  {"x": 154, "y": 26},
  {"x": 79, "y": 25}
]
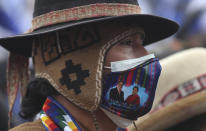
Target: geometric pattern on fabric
[
  {"x": 77, "y": 72},
  {"x": 122, "y": 129},
  {"x": 183, "y": 90},
  {"x": 56, "y": 118}
]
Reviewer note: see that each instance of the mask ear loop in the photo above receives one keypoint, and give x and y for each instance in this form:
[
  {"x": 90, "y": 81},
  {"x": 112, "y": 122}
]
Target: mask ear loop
[
  {"x": 135, "y": 126},
  {"x": 107, "y": 67}
]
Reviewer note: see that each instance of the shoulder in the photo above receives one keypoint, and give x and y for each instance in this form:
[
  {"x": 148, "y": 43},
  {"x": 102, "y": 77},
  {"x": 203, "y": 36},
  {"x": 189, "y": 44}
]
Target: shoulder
[
  {"x": 30, "y": 126},
  {"x": 129, "y": 96},
  {"x": 137, "y": 95}
]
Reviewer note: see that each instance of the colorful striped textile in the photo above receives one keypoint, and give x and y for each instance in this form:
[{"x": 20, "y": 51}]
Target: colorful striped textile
[
  {"x": 122, "y": 129},
  {"x": 56, "y": 118}
]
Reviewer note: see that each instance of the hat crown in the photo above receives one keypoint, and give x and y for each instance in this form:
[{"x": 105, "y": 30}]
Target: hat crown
[{"x": 46, "y": 6}]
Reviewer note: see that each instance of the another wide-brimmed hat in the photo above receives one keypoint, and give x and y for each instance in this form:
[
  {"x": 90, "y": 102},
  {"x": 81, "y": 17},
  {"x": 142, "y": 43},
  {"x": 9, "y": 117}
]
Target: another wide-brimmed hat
[
  {"x": 54, "y": 15},
  {"x": 181, "y": 91}
]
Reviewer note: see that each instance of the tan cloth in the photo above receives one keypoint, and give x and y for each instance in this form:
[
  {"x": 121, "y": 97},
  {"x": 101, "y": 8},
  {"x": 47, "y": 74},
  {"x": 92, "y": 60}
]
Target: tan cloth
[{"x": 30, "y": 126}]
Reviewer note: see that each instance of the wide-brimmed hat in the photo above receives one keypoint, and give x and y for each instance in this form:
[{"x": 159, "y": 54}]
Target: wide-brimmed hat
[
  {"x": 181, "y": 91},
  {"x": 53, "y": 15}
]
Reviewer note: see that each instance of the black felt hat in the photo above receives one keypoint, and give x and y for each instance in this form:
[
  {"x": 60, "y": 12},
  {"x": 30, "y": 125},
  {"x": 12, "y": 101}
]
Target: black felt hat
[{"x": 54, "y": 15}]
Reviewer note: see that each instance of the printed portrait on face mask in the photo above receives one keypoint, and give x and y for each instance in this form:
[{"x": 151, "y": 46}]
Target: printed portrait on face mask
[{"x": 129, "y": 89}]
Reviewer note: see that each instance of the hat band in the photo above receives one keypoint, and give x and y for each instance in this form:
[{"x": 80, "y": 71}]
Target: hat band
[
  {"x": 183, "y": 90},
  {"x": 81, "y": 12}
]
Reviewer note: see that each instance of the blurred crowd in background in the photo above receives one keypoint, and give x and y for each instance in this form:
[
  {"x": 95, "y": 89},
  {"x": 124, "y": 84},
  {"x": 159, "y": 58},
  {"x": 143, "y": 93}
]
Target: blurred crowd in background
[
  {"x": 16, "y": 16},
  {"x": 189, "y": 14}
]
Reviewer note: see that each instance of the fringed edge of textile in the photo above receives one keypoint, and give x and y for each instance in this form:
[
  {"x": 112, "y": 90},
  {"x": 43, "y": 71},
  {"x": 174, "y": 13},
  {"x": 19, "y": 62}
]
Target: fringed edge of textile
[{"x": 17, "y": 78}]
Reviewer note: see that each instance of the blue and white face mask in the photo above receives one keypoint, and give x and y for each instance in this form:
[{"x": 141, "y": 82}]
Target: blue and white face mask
[{"x": 129, "y": 88}]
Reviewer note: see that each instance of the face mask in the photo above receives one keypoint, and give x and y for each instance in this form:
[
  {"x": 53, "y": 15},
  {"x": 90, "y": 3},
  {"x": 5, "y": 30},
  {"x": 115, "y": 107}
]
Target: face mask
[
  {"x": 129, "y": 90},
  {"x": 119, "y": 121}
]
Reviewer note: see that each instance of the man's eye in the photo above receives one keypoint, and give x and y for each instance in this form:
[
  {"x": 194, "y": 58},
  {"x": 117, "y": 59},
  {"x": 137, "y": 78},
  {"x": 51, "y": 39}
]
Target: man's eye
[{"x": 142, "y": 36}]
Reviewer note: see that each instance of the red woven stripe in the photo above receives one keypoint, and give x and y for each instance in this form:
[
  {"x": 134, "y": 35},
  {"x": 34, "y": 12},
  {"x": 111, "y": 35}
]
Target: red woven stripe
[
  {"x": 82, "y": 12},
  {"x": 129, "y": 78},
  {"x": 46, "y": 107}
]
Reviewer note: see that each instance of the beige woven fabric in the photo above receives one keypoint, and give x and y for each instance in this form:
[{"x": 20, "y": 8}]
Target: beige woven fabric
[{"x": 29, "y": 126}]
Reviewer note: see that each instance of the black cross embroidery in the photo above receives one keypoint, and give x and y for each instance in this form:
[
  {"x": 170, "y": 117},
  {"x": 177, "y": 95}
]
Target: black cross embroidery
[{"x": 73, "y": 70}]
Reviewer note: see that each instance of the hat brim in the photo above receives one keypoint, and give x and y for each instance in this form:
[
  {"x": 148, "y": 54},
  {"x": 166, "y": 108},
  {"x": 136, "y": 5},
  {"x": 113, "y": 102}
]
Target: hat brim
[{"x": 156, "y": 28}]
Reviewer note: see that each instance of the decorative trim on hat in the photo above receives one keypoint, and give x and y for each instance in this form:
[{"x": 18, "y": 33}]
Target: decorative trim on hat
[
  {"x": 81, "y": 12},
  {"x": 46, "y": 76},
  {"x": 186, "y": 89},
  {"x": 51, "y": 81}
]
